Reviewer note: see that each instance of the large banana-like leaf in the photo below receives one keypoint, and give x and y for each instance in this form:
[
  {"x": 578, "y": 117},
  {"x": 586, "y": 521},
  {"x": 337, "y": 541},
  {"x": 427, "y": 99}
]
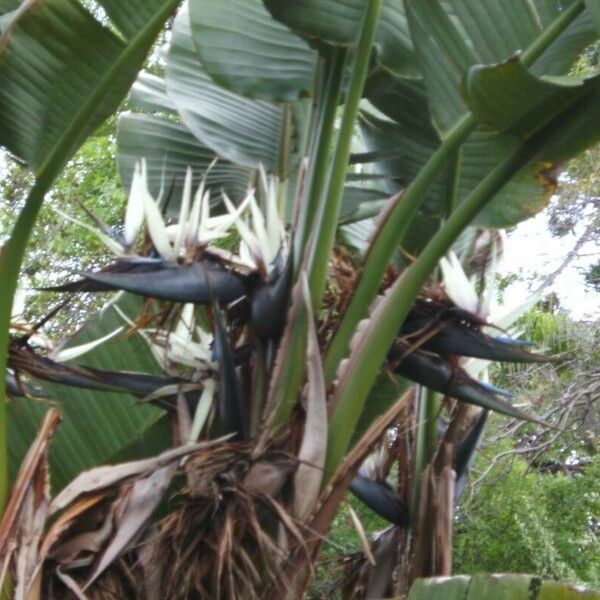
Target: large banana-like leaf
[
  {"x": 451, "y": 33},
  {"x": 452, "y": 36},
  {"x": 404, "y": 101},
  {"x": 169, "y": 149},
  {"x": 507, "y": 97},
  {"x": 87, "y": 69},
  {"x": 361, "y": 203},
  {"x": 248, "y": 52},
  {"x": 562, "y": 111},
  {"x": 8, "y": 6},
  {"x": 594, "y": 8},
  {"x": 149, "y": 93},
  {"x": 97, "y": 425},
  {"x": 337, "y": 22},
  {"x": 402, "y": 155},
  {"x": 247, "y": 132}
]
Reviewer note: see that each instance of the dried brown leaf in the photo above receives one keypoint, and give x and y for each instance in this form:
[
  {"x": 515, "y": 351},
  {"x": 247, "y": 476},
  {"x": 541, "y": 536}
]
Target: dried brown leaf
[
  {"x": 81, "y": 549},
  {"x": 65, "y": 520},
  {"x": 267, "y": 477},
  {"x": 153, "y": 568},
  {"x": 361, "y": 535},
  {"x": 385, "y": 550},
  {"x": 29, "y": 537},
  {"x": 298, "y": 565},
  {"x": 307, "y": 482},
  {"x": 23, "y": 521},
  {"x": 133, "y": 512},
  {"x": 71, "y": 584},
  {"x": 281, "y": 363},
  {"x": 107, "y": 476},
  {"x": 26, "y": 478}
]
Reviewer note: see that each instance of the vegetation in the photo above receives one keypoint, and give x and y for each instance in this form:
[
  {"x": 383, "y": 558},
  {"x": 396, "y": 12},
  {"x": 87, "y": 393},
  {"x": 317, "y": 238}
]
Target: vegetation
[
  {"x": 531, "y": 504},
  {"x": 540, "y": 488},
  {"x": 56, "y": 248},
  {"x": 526, "y": 521},
  {"x": 252, "y": 368}
]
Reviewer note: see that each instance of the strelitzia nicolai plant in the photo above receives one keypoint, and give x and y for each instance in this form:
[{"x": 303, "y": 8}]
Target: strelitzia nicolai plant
[{"x": 272, "y": 383}]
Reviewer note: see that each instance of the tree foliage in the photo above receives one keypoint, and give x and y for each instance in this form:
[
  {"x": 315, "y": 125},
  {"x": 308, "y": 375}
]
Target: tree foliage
[{"x": 534, "y": 504}]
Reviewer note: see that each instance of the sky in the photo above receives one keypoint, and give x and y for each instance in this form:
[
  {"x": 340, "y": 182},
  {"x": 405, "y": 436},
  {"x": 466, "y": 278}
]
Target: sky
[{"x": 532, "y": 250}]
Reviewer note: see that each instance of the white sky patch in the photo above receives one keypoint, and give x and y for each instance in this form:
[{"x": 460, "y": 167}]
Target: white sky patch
[{"x": 532, "y": 251}]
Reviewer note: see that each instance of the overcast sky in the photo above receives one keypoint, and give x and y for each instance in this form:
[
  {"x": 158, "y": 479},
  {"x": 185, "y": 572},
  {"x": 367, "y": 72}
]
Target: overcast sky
[{"x": 532, "y": 250}]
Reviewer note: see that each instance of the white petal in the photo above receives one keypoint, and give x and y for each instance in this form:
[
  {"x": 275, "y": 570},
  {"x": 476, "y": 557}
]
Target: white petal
[
  {"x": 246, "y": 256},
  {"x": 110, "y": 243},
  {"x": 77, "y": 351},
  {"x": 194, "y": 219},
  {"x": 227, "y": 220},
  {"x": 134, "y": 213},
  {"x": 458, "y": 287},
  {"x": 202, "y": 410},
  {"x": 185, "y": 324},
  {"x": 205, "y": 214},
  {"x": 274, "y": 225},
  {"x": 156, "y": 224},
  {"x": 260, "y": 231},
  {"x": 184, "y": 211},
  {"x": 264, "y": 180},
  {"x": 245, "y": 232}
]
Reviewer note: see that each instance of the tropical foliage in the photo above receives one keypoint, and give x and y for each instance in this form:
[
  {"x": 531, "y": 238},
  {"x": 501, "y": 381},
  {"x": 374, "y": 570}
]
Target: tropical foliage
[
  {"x": 495, "y": 586},
  {"x": 270, "y": 324},
  {"x": 541, "y": 485}
]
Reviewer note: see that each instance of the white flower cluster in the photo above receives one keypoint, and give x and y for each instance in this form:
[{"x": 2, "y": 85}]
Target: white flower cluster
[{"x": 263, "y": 238}]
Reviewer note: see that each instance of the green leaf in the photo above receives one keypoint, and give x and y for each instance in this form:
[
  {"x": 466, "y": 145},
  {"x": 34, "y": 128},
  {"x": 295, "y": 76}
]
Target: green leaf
[
  {"x": 440, "y": 588},
  {"x": 507, "y": 586},
  {"x": 169, "y": 148},
  {"x": 248, "y": 52},
  {"x": 247, "y": 132},
  {"x": 499, "y": 587},
  {"x": 553, "y": 590},
  {"x": 508, "y": 98},
  {"x": 404, "y": 155},
  {"x": 337, "y": 22},
  {"x": 87, "y": 69},
  {"x": 528, "y": 191},
  {"x": 452, "y": 37},
  {"x": 130, "y": 17},
  {"x": 361, "y": 203},
  {"x": 387, "y": 391},
  {"x": 594, "y": 9},
  {"x": 404, "y": 101},
  {"x": 575, "y": 130},
  {"x": 149, "y": 92},
  {"x": 97, "y": 425},
  {"x": 561, "y": 110},
  {"x": 400, "y": 153}
]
